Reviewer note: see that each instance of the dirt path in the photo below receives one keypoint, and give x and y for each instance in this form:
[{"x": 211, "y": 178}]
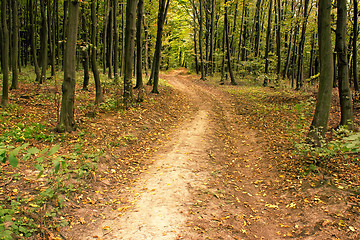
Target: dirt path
[{"x": 179, "y": 196}]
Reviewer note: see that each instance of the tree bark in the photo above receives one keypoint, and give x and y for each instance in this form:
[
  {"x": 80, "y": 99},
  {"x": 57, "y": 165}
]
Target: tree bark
[
  {"x": 163, "y": 8},
  {"x": 116, "y": 41},
  {"x": 94, "y": 66},
  {"x": 67, "y": 119},
  {"x": 257, "y": 28},
  {"x": 5, "y": 55},
  {"x": 140, "y": 12},
  {"x": 299, "y": 78},
  {"x": 228, "y": 53},
  {"x": 43, "y": 41},
  {"x": 15, "y": 45},
  {"x": 354, "y": 49},
  {"x": 347, "y": 115},
  {"x": 33, "y": 41},
  {"x": 319, "y": 123},
  {"x": 267, "y": 50},
  {"x": 85, "y": 50},
  {"x": 129, "y": 51},
  {"x": 202, "y": 65}
]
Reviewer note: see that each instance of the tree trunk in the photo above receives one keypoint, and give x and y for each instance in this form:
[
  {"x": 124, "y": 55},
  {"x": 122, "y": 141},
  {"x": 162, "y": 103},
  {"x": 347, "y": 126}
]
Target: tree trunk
[
  {"x": 140, "y": 12},
  {"x": 33, "y": 41},
  {"x": 85, "y": 50},
  {"x": 163, "y": 8},
  {"x": 228, "y": 53},
  {"x": 15, "y": 46},
  {"x": 105, "y": 37},
  {"x": 202, "y": 65},
  {"x": 111, "y": 40},
  {"x": 67, "y": 119},
  {"x": 299, "y": 79},
  {"x": 321, "y": 116},
  {"x": 43, "y": 41},
  {"x": 212, "y": 29},
  {"x": 278, "y": 37},
  {"x": 5, "y": 55},
  {"x": 129, "y": 51},
  {"x": 354, "y": 49},
  {"x": 268, "y": 33},
  {"x": 347, "y": 115},
  {"x": 257, "y": 28},
  {"x": 94, "y": 66},
  {"x": 116, "y": 41}
]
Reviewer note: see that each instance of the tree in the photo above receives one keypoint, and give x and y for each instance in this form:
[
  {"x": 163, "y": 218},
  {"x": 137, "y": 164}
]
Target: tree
[
  {"x": 94, "y": 66},
  {"x": 15, "y": 45},
  {"x": 163, "y": 9},
  {"x": 67, "y": 120},
  {"x": 129, "y": 51},
  {"x": 321, "y": 116},
  {"x": 347, "y": 115},
  {"x": 5, "y": 55},
  {"x": 354, "y": 49},
  {"x": 33, "y": 40},
  {"x": 140, "y": 13},
  {"x": 267, "y": 50},
  {"x": 228, "y": 53},
  {"x": 44, "y": 41}
]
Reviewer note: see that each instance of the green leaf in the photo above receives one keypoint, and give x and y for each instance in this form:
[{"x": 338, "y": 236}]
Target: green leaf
[
  {"x": 15, "y": 151},
  {"x": 39, "y": 167},
  {"x": 57, "y": 162},
  {"x": 13, "y": 161},
  {"x": 33, "y": 150},
  {"x": 53, "y": 150},
  {"x": 44, "y": 151}
]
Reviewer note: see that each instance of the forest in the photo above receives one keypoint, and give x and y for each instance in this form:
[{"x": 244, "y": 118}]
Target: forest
[{"x": 179, "y": 119}]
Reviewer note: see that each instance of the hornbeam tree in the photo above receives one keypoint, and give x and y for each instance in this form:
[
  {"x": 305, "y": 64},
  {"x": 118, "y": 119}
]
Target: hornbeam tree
[
  {"x": 321, "y": 116},
  {"x": 67, "y": 120}
]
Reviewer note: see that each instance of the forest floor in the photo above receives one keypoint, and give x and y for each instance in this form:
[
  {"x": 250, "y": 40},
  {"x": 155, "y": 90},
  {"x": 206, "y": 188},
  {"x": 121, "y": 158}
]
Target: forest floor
[{"x": 197, "y": 161}]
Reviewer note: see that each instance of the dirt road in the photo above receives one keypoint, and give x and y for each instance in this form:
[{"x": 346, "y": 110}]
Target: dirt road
[{"x": 212, "y": 180}]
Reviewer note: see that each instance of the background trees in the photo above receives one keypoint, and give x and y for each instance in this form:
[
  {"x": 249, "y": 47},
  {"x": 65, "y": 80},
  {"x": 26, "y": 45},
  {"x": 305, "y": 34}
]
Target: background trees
[{"x": 264, "y": 39}]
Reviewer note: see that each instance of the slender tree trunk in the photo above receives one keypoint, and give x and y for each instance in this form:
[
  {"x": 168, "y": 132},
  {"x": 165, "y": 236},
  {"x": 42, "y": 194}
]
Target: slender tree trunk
[
  {"x": 299, "y": 79},
  {"x": 116, "y": 41},
  {"x": 347, "y": 115},
  {"x": 111, "y": 40},
  {"x": 202, "y": 65},
  {"x": 163, "y": 8},
  {"x": 52, "y": 35},
  {"x": 67, "y": 119},
  {"x": 5, "y": 55},
  {"x": 146, "y": 49},
  {"x": 129, "y": 51},
  {"x": 140, "y": 12},
  {"x": 319, "y": 124},
  {"x": 43, "y": 41},
  {"x": 15, "y": 46},
  {"x": 228, "y": 53},
  {"x": 244, "y": 32},
  {"x": 33, "y": 41},
  {"x": 105, "y": 37},
  {"x": 278, "y": 37},
  {"x": 85, "y": 50},
  {"x": 94, "y": 66},
  {"x": 354, "y": 51},
  {"x": 312, "y": 55},
  {"x": 257, "y": 28},
  {"x": 267, "y": 50},
  {"x": 212, "y": 30}
]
